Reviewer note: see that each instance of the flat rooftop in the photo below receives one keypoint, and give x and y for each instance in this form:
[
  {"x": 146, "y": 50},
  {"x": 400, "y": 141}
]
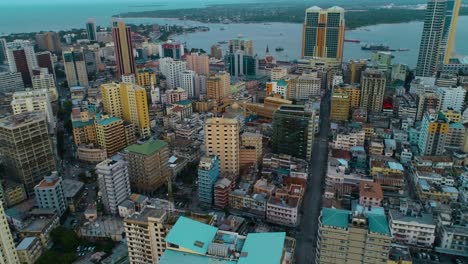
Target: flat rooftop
[
  {"x": 147, "y": 148},
  {"x": 15, "y": 121},
  {"x": 143, "y": 216}
]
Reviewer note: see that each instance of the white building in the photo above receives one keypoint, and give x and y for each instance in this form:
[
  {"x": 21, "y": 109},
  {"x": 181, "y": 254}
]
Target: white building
[
  {"x": 129, "y": 78},
  {"x": 278, "y": 73},
  {"x": 453, "y": 240},
  {"x": 451, "y": 98},
  {"x": 187, "y": 82},
  {"x": 8, "y": 253},
  {"x": 28, "y": 48},
  {"x": 114, "y": 183},
  {"x": 45, "y": 81},
  {"x": 347, "y": 140},
  {"x": 305, "y": 86},
  {"x": 282, "y": 211},
  {"x": 49, "y": 194},
  {"x": 155, "y": 95},
  {"x": 172, "y": 69},
  {"x": 200, "y": 86},
  {"x": 33, "y": 100},
  {"x": 412, "y": 230},
  {"x": 11, "y": 82}
]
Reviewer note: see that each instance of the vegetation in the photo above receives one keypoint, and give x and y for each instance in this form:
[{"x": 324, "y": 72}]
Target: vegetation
[
  {"x": 65, "y": 243},
  {"x": 189, "y": 173}
]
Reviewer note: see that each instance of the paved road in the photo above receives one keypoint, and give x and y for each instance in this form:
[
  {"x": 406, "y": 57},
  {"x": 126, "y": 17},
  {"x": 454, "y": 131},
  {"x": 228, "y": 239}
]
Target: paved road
[{"x": 307, "y": 235}]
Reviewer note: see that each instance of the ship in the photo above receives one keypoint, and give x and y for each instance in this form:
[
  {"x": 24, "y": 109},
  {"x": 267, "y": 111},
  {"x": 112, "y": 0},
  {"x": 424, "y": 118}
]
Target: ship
[
  {"x": 222, "y": 28},
  {"x": 353, "y": 40},
  {"x": 403, "y": 49},
  {"x": 279, "y": 49},
  {"x": 222, "y": 42},
  {"x": 373, "y": 47}
]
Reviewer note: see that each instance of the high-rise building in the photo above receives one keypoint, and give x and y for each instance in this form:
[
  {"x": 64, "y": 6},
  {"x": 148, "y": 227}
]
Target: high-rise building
[
  {"x": 373, "y": 83},
  {"x": 222, "y": 139},
  {"x": 34, "y": 100},
  {"x": 241, "y": 44},
  {"x": 49, "y": 41},
  {"x": 452, "y": 9},
  {"x": 340, "y": 105},
  {"x": 218, "y": 86},
  {"x": 187, "y": 82},
  {"x": 75, "y": 68},
  {"x": 26, "y": 148},
  {"x": 208, "y": 174},
  {"x": 45, "y": 81},
  {"x": 8, "y": 253},
  {"x": 360, "y": 237},
  {"x": 431, "y": 39},
  {"x": 123, "y": 48},
  {"x": 113, "y": 182},
  {"x": 323, "y": 33},
  {"x": 111, "y": 134},
  {"x": 11, "y": 82},
  {"x": 44, "y": 60},
  {"x": 304, "y": 87},
  {"x": 451, "y": 98},
  {"x": 146, "y": 77},
  {"x": 200, "y": 86},
  {"x": 354, "y": 71},
  {"x": 91, "y": 29},
  {"x": 241, "y": 64},
  {"x": 254, "y": 140},
  {"x": 49, "y": 194},
  {"x": 293, "y": 131},
  {"x": 129, "y": 102},
  {"x": 21, "y": 58},
  {"x": 433, "y": 133},
  {"x": 199, "y": 63},
  {"x": 171, "y": 49},
  {"x": 3, "y": 51},
  {"x": 146, "y": 248},
  {"x": 172, "y": 69},
  {"x": 148, "y": 164},
  {"x": 216, "y": 52},
  {"x": 427, "y": 100}
]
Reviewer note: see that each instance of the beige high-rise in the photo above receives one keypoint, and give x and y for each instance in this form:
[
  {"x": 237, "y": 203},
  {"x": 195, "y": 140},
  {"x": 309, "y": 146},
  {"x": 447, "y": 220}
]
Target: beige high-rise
[
  {"x": 199, "y": 63},
  {"x": 26, "y": 148},
  {"x": 218, "y": 86},
  {"x": 373, "y": 83},
  {"x": 8, "y": 253},
  {"x": 75, "y": 68},
  {"x": 222, "y": 139}
]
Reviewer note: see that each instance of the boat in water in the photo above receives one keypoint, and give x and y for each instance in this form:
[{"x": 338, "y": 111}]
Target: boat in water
[
  {"x": 379, "y": 47},
  {"x": 403, "y": 49},
  {"x": 222, "y": 42},
  {"x": 279, "y": 49},
  {"x": 353, "y": 40}
]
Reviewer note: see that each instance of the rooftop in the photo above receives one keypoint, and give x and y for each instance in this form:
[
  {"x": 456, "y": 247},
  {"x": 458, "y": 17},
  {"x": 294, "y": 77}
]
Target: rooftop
[
  {"x": 171, "y": 256},
  {"x": 262, "y": 248},
  {"x": 426, "y": 219},
  {"x": 71, "y": 187},
  {"x": 147, "y": 148},
  {"x": 145, "y": 214},
  {"x": 370, "y": 189},
  {"x": 335, "y": 217},
  {"x": 25, "y": 243},
  {"x": 15, "y": 121}
]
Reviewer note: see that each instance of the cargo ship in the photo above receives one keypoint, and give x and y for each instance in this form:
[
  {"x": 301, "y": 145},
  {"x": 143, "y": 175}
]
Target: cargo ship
[
  {"x": 373, "y": 47},
  {"x": 279, "y": 49},
  {"x": 353, "y": 40}
]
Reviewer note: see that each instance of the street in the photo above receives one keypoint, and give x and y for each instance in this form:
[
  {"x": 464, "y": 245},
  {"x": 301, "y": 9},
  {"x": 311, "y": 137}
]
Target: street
[{"x": 307, "y": 235}]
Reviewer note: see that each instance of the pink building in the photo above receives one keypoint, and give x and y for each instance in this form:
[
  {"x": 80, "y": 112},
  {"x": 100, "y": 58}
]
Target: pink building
[
  {"x": 176, "y": 95},
  {"x": 370, "y": 194},
  {"x": 199, "y": 63}
]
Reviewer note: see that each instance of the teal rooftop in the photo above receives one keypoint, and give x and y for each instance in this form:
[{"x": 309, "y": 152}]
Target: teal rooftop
[
  {"x": 184, "y": 102},
  {"x": 191, "y": 235},
  {"x": 262, "y": 248},
  {"x": 335, "y": 217},
  {"x": 179, "y": 257}
]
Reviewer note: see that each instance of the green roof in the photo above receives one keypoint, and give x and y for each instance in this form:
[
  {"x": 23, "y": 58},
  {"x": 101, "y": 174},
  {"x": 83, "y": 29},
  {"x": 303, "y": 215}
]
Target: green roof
[
  {"x": 80, "y": 124},
  {"x": 262, "y": 248},
  {"x": 191, "y": 235},
  {"x": 183, "y": 102},
  {"x": 335, "y": 217},
  {"x": 171, "y": 256},
  {"x": 378, "y": 224},
  {"x": 282, "y": 83},
  {"x": 147, "y": 148},
  {"x": 456, "y": 125},
  {"x": 107, "y": 121}
]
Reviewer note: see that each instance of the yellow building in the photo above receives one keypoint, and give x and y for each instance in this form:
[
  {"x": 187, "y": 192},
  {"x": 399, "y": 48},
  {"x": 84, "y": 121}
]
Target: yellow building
[
  {"x": 354, "y": 94},
  {"x": 13, "y": 193},
  {"x": 146, "y": 77},
  {"x": 110, "y": 134},
  {"x": 448, "y": 39},
  {"x": 29, "y": 250},
  {"x": 218, "y": 86},
  {"x": 453, "y": 116},
  {"x": 355, "y": 69},
  {"x": 8, "y": 253},
  {"x": 129, "y": 102},
  {"x": 339, "y": 105},
  {"x": 84, "y": 131}
]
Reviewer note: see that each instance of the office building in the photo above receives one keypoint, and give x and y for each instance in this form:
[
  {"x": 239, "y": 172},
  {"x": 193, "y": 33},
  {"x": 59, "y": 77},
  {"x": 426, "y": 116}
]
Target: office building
[
  {"x": 431, "y": 39},
  {"x": 218, "y": 86},
  {"x": 75, "y": 68},
  {"x": 146, "y": 77},
  {"x": 8, "y": 254},
  {"x": 34, "y": 100},
  {"x": 91, "y": 29},
  {"x": 49, "y": 41},
  {"x": 199, "y": 63},
  {"x": 45, "y": 81},
  {"x": 44, "y": 60},
  {"x": 253, "y": 140},
  {"x": 354, "y": 71},
  {"x": 129, "y": 102},
  {"x": 323, "y": 33},
  {"x": 200, "y": 86},
  {"x": 241, "y": 64},
  {"x": 278, "y": 73},
  {"x": 172, "y": 69},
  {"x": 208, "y": 174},
  {"x": 362, "y": 236},
  {"x": 452, "y": 9},
  {"x": 373, "y": 83},
  {"x": 451, "y": 98},
  {"x": 29, "y": 250},
  {"x": 293, "y": 131},
  {"x": 49, "y": 194},
  {"x": 3, "y": 51},
  {"x": 21, "y": 58},
  {"x": 216, "y": 52},
  {"x": 112, "y": 133},
  {"x": 11, "y": 82},
  {"x": 26, "y": 148},
  {"x": 123, "y": 48},
  {"x": 340, "y": 105},
  {"x": 241, "y": 44},
  {"x": 148, "y": 164},
  {"x": 304, "y": 86},
  {"x": 171, "y": 49},
  {"x": 222, "y": 139},
  {"x": 147, "y": 248},
  {"x": 114, "y": 183},
  {"x": 433, "y": 133},
  {"x": 187, "y": 82}
]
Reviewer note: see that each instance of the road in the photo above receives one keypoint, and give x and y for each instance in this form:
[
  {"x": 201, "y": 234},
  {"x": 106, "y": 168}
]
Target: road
[{"x": 306, "y": 237}]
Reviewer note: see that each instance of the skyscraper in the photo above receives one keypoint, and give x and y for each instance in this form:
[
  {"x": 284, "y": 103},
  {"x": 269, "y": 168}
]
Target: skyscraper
[
  {"x": 49, "y": 41},
  {"x": 172, "y": 69},
  {"x": 21, "y": 58},
  {"x": 75, "y": 68},
  {"x": 293, "y": 131},
  {"x": 433, "y": 134},
  {"x": 26, "y": 147},
  {"x": 208, "y": 174},
  {"x": 241, "y": 64},
  {"x": 123, "y": 48},
  {"x": 187, "y": 82},
  {"x": 113, "y": 182},
  {"x": 245, "y": 45},
  {"x": 199, "y": 63},
  {"x": 8, "y": 253},
  {"x": 44, "y": 60},
  {"x": 218, "y": 85},
  {"x": 340, "y": 105},
  {"x": 452, "y": 9},
  {"x": 171, "y": 49},
  {"x": 431, "y": 39},
  {"x": 323, "y": 33},
  {"x": 222, "y": 139},
  {"x": 91, "y": 29},
  {"x": 373, "y": 83},
  {"x": 3, "y": 52}
]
